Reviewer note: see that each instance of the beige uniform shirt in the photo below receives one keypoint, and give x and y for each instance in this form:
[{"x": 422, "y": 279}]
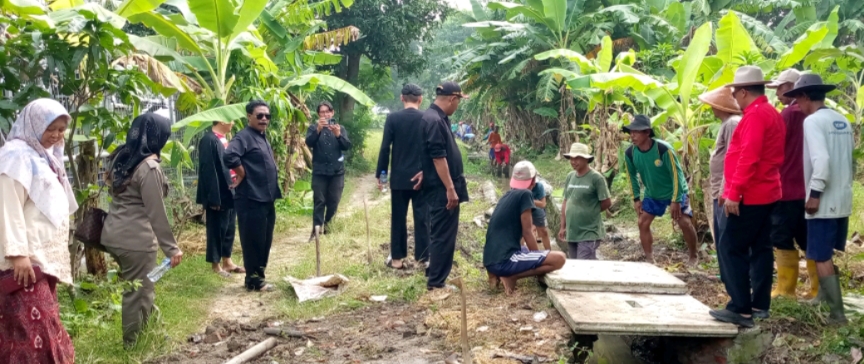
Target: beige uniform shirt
[
  {"x": 26, "y": 231},
  {"x": 136, "y": 219}
]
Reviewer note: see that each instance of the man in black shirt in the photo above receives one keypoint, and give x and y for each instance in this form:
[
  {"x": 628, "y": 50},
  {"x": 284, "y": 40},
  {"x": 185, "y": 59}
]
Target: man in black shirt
[
  {"x": 444, "y": 185},
  {"x": 403, "y": 131},
  {"x": 214, "y": 194},
  {"x": 510, "y": 223},
  {"x": 256, "y": 189},
  {"x": 328, "y": 141}
]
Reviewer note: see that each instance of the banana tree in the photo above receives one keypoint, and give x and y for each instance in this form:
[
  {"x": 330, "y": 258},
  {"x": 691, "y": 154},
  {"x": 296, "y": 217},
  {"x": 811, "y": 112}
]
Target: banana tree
[{"x": 844, "y": 66}]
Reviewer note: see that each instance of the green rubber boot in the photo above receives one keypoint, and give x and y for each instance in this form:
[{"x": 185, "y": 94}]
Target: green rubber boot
[{"x": 834, "y": 297}]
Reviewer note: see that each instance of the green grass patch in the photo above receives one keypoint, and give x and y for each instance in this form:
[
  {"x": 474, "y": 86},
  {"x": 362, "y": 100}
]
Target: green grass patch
[{"x": 182, "y": 296}]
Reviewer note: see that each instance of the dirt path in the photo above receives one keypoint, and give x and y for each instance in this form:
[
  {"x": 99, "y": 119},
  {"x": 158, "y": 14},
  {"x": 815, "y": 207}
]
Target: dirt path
[{"x": 234, "y": 303}]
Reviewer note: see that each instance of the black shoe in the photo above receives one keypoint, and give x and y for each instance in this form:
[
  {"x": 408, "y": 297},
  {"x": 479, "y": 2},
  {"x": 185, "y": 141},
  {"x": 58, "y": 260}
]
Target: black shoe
[
  {"x": 761, "y": 314},
  {"x": 732, "y": 318}
]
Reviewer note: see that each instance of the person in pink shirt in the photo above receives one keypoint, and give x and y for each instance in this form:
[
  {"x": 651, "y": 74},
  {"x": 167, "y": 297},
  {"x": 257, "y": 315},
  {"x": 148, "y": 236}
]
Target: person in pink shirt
[{"x": 752, "y": 173}]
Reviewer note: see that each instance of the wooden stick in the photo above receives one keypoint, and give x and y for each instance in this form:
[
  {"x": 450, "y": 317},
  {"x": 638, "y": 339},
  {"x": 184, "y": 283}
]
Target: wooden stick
[
  {"x": 368, "y": 235},
  {"x": 253, "y": 352},
  {"x": 466, "y": 352},
  {"x": 317, "y": 252},
  {"x": 278, "y": 331}
]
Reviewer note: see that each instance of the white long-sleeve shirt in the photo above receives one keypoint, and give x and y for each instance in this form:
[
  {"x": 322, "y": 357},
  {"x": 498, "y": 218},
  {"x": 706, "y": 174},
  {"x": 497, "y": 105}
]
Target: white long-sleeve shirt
[{"x": 828, "y": 164}]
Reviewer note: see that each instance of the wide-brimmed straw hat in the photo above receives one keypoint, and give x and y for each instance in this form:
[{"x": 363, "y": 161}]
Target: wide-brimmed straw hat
[
  {"x": 809, "y": 82},
  {"x": 748, "y": 76},
  {"x": 721, "y": 99},
  {"x": 788, "y": 76},
  {"x": 579, "y": 150}
]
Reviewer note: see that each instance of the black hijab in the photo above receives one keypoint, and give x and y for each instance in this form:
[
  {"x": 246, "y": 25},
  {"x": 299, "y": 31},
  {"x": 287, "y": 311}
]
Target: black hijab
[{"x": 147, "y": 136}]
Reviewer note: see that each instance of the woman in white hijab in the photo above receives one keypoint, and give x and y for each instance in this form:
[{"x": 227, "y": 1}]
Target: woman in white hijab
[{"x": 35, "y": 203}]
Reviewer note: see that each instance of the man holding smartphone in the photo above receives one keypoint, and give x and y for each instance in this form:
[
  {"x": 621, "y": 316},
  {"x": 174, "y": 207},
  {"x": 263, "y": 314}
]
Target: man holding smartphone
[{"x": 328, "y": 142}]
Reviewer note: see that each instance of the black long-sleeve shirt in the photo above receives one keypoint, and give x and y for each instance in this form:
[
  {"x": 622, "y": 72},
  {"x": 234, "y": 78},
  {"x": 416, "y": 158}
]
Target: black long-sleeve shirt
[
  {"x": 439, "y": 143},
  {"x": 403, "y": 132},
  {"x": 252, "y": 150},
  {"x": 327, "y": 150},
  {"x": 214, "y": 178}
]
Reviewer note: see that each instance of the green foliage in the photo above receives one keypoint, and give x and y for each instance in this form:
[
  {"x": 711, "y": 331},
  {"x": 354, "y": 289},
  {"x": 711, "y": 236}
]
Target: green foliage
[{"x": 94, "y": 302}]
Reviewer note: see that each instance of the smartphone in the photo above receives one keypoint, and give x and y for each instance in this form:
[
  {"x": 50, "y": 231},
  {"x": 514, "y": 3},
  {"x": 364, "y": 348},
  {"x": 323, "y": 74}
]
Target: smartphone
[{"x": 331, "y": 121}]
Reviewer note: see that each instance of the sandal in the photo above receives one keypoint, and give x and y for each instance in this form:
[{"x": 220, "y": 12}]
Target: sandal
[
  {"x": 236, "y": 269},
  {"x": 389, "y": 264},
  {"x": 223, "y": 274},
  {"x": 266, "y": 287}
]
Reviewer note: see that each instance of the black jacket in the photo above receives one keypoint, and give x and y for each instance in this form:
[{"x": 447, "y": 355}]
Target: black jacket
[
  {"x": 251, "y": 149},
  {"x": 439, "y": 143},
  {"x": 214, "y": 178},
  {"x": 327, "y": 156},
  {"x": 404, "y": 132}
]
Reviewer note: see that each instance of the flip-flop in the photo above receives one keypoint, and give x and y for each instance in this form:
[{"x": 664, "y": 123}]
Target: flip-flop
[
  {"x": 223, "y": 274},
  {"x": 389, "y": 264},
  {"x": 237, "y": 269}
]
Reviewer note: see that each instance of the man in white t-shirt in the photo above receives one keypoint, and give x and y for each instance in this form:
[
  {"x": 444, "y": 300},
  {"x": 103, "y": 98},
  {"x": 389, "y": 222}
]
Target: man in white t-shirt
[{"x": 828, "y": 173}]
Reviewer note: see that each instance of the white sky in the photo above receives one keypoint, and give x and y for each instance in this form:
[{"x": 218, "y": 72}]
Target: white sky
[{"x": 460, "y": 4}]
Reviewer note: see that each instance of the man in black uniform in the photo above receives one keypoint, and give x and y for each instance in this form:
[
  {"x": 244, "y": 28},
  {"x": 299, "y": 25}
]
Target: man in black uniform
[
  {"x": 403, "y": 131},
  {"x": 256, "y": 189},
  {"x": 328, "y": 141},
  {"x": 444, "y": 186}
]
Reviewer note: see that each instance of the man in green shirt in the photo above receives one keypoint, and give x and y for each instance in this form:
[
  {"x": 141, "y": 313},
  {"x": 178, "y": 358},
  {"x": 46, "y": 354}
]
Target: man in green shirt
[
  {"x": 664, "y": 184},
  {"x": 585, "y": 197}
]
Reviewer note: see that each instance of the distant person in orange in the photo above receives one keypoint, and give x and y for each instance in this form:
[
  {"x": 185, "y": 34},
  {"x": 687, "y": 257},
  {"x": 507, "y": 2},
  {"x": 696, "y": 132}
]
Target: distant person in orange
[{"x": 494, "y": 140}]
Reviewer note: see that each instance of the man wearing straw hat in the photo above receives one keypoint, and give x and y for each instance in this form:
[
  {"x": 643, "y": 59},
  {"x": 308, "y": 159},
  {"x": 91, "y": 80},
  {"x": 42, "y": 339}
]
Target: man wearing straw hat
[
  {"x": 788, "y": 223},
  {"x": 665, "y": 186},
  {"x": 586, "y": 196},
  {"x": 828, "y": 170},
  {"x": 726, "y": 109},
  {"x": 752, "y": 189}
]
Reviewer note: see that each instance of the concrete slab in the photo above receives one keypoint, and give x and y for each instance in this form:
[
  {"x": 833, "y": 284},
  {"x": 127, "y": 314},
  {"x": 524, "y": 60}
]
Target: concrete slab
[
  {"x": 614, "y": 276},
  {"x": 637, "y": 314}
]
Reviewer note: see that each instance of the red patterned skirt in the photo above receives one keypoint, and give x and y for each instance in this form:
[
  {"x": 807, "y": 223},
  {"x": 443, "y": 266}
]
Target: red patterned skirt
[{"x": 30, "y": 328}]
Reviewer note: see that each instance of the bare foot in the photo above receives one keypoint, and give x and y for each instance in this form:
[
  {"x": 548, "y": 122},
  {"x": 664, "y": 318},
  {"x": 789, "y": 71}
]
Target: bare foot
[
  {"x": 509, "y": 284},
  {"x": 693, "y": 262},
  {"x": 494, "y": 281},
  {"x": 650, "y": 258}
]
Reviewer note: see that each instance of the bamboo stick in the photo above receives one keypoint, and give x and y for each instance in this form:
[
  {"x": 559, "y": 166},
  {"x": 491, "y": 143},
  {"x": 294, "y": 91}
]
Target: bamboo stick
[{"x": 253, "y": 352}]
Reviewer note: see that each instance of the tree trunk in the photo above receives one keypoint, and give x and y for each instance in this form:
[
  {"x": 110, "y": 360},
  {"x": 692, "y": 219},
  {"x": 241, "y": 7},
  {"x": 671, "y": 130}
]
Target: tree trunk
[
  {"x": 352, "y": 71},
  {"x": 88, "y": 169}
]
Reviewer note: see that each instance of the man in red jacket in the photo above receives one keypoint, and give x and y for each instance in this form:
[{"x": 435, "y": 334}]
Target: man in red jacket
[
  {"x": 752, "y": 172},
  {"x": 501, "y": 163}
]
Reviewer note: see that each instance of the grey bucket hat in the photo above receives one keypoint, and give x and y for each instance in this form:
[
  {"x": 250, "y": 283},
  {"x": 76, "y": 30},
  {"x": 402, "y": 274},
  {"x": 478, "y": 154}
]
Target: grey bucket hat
[{"x": 809, "y": 82}]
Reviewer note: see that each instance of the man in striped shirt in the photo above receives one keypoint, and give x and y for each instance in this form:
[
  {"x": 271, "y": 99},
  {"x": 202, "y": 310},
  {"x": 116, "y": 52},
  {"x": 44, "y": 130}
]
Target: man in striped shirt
[{"x": 658, "y": 169}]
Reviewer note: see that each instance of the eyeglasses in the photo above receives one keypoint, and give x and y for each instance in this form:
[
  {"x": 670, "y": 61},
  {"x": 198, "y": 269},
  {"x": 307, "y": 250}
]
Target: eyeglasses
[{"x": 263, "y": 116}]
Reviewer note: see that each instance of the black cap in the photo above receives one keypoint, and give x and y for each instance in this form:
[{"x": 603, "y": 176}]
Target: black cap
[
  {"x": 450, "y": 89},
  {"x": 809, "y": 82},
  {"x": 412, "y": 89}
]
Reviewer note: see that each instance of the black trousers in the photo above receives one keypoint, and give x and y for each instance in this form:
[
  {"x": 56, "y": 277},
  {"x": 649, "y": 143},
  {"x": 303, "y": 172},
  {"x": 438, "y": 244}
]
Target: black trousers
[
  {"x": 444, "y": 225},
  {"x": 789, "y": 225},
  {"x": 747, "y": 258},
  {"x": 256, "y": 221},
  {"x": 220, "y": 233},
  {"x": 326, "y": 194},
  {"x": 399, "y": 224}
]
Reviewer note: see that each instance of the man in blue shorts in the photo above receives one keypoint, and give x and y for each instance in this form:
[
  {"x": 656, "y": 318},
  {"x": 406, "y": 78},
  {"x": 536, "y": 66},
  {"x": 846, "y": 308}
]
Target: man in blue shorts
[
  {"x": 511, "y": 222},
  {"x": 828, "y": 171},
  {"x": 657, "y": 166}
]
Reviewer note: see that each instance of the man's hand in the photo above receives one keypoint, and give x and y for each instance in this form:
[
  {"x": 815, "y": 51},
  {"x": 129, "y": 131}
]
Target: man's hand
[
  {"x": 23, "y": 271},
  {"x": 721, "y": 201},
  {"x": 732, "y": 208},
  {"x": 419, "y": 178},
  {"x": 562, "y": 234},
  {"x": 452, "y": 198},
  {"x": 637, "y": 205},
  {"x": 676, "y": 210},
  {"x": 812, "y": 206},
  {"x": 176, "y": 259},
  {"x": 336, "y": 129},
  {"x": 216, "y": 208},
  {"x": 241, "y": 175},
  {"x": 322, "y": 123}
]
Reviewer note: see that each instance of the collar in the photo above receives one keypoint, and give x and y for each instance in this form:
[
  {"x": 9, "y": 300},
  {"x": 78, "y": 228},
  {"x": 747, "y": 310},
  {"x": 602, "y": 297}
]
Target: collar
[
  {"x": 441, "y": 113},
  {"x": 254, "y": 132},
  {"x": 761, "y": 100},
  {"x": 218, "y": 135}
]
